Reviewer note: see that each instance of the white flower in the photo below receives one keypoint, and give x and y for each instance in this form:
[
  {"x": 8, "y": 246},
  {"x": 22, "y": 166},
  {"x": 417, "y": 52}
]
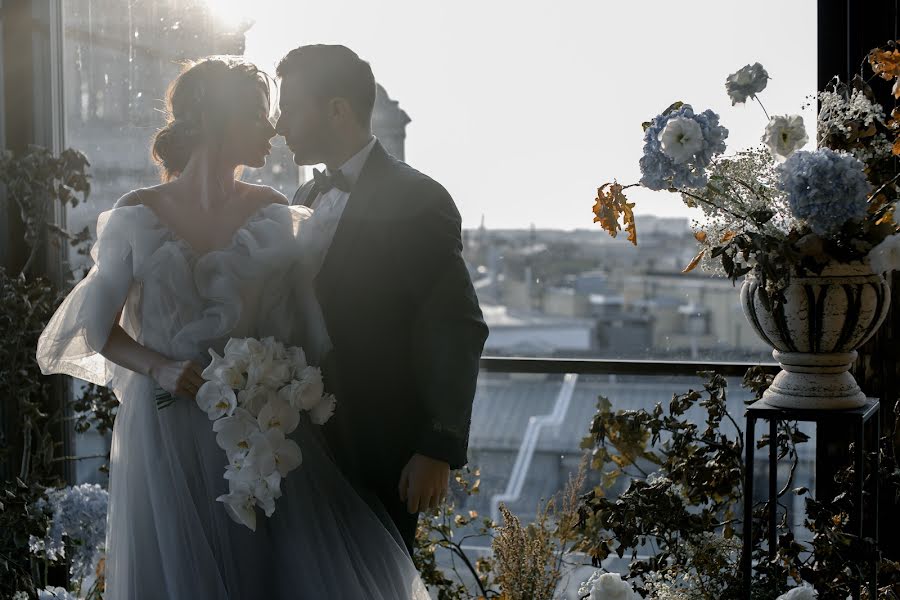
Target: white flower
[
  {"x": 324, "y": 410},
  {"x": 240, "y": 504},
  {"x": 278, "y": 414},
  {"x": 784, "y": 135},
  {"x": 607, "y": 586},
  {"x": 681, "y": 139},
  {"x": 224, "y": 371},
  {"x": 77, "y": 514},
  {"x": 266, "y": 490},
  {"x": 268, "y": 371},
  {"x": 286, "y": 451},
  {"x": 803, "y": 592},
  {"x": 216, "y": 399},
  {"x": 240, "y": 350},
  {"x": 311, "y": 389},
  {"x": 252, "y": 425},
  {"x": 273, "y": 348},
  {"x": 55, "y": 593},
  {"x": 254, "y": 398},
  {"x": 746, "y": 82},
  {"x": 233, "y": 433},
  {"x": 292, "y": 393},
  {"x": 297, "y": 359},
  {"x": 20, "y": 596},
  {"x": 271, "y": 451},
  {"x": 885, "y": 257}
]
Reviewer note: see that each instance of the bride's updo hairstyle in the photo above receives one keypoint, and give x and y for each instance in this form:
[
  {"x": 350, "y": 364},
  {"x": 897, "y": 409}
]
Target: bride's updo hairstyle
[{"x": 199, "y": 103}]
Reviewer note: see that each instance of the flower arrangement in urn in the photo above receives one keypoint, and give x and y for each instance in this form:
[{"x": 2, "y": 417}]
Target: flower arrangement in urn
[{"x": 811, "y": 232}]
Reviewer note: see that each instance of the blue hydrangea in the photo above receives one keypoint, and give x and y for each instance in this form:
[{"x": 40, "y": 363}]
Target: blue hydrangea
[
  {"x": 79, "y": 514},
  {"x": 55, "y": 593},
  {"x": 659, "y": 171},
  {"x": 825, "y": 189}
]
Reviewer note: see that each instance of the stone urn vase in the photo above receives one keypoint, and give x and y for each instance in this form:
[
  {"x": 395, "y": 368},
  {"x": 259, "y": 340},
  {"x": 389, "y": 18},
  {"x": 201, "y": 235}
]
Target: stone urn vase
[{"x": 815, "y": 333}]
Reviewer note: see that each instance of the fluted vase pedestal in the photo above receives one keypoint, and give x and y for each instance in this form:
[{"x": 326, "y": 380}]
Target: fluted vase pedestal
[{"x": 816, "y": 331}]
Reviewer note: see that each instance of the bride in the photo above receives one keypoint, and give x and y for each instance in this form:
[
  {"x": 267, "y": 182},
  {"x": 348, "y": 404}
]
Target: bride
[{"x": 180, "y": 268}]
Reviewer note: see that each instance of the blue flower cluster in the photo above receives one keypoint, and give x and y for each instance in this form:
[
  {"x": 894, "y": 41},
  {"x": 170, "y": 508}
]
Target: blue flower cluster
[
  {"x": 824, "y": 188},
  {"x": 78, "y": 513},
  {"x": 659, "y": 171}
]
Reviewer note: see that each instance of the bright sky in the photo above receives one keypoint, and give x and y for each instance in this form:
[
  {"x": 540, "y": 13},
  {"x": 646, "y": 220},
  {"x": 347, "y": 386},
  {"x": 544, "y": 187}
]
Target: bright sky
[{"x": 523, "y": 108}]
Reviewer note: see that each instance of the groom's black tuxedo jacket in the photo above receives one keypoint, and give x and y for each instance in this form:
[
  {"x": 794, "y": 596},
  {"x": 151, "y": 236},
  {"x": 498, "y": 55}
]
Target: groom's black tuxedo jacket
[{"x": 405, "y": 325}]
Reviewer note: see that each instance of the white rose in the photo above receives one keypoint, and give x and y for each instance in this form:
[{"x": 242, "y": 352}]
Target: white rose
[
  {"x": 785, "y": 135},
  {"x": 681, "y": 139},
  {"x": 291, "y": 393},
  {"x": 216, "y": 399},
  {"x": 278, "y": 414},
  {"x": 297, "y": 359},
  {"x": 254, "y": 398},
  {"x": 267, "y": 371},
  {"x": 885, "y": 257},
  {"x": 273, "y": 348},
  {"x": 324, "y": 410},
  {"x": 746, "y": 82},
  {"x": 607, "y": 586},
  {"x": 803, "y": 592},
  {"x": 312, "y": 388}
]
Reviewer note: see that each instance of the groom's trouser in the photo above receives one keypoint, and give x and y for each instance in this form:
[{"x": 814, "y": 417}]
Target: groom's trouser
[
  {"x": 389, "y": 495},
  {"x": 371, "y": 466}
]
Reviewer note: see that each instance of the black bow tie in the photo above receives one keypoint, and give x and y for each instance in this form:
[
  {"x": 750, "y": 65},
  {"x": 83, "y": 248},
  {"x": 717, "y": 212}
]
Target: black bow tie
[{"x": 324, "y": 182}]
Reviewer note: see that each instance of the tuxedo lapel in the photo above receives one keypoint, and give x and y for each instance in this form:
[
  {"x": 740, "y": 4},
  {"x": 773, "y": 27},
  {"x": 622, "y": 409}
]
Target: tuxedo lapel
[
  {"x": 359, "y": 206},
  {"x": 304, "y": 196}
]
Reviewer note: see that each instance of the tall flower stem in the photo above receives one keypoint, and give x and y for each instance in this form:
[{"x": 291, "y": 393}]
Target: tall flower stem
[{"x": 758, "y": 101}]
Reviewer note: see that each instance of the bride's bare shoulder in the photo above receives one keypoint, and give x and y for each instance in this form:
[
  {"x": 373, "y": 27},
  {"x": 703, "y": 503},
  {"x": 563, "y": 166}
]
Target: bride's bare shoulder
[
  {"x": 262, "y": 194},
  {"x": 145, "y": 196}
]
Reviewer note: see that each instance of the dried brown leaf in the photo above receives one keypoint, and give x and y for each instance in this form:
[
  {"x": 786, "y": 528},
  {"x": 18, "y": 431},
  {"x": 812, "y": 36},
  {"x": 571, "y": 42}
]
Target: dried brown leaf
[
  {"x": 696, "y": 261},
  {"x": 611, "y": 204}
]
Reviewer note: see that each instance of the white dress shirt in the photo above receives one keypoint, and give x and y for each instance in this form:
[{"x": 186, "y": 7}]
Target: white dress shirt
[
  {"x": 319, "y": 230},
  {"x": 328, "y": 207}
]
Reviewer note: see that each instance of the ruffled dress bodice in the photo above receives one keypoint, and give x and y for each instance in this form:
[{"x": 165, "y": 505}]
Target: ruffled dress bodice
[{"x": 178, "y": 302}]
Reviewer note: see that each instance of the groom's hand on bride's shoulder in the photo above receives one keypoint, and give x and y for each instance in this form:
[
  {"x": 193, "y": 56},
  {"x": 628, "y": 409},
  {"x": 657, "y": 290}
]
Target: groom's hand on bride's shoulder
[{"x": 423, "y": 483}]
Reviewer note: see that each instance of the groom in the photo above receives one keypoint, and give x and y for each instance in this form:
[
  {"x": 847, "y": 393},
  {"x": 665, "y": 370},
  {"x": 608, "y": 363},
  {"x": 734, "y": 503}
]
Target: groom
[{"x": 404, "y": 323}]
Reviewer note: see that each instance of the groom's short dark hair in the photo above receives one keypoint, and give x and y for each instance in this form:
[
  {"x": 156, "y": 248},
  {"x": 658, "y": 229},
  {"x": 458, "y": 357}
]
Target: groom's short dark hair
[{"x": 333, "y": 71}]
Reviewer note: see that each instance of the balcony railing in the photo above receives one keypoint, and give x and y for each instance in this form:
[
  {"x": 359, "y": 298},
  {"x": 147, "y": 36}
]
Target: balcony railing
[
  {"x": 571, "y": 369},
  {"x": 599, "y": 366}
]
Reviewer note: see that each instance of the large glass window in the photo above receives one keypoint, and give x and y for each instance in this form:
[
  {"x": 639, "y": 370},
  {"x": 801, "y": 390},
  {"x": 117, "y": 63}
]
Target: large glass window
[{"x": 521, "y": 111}]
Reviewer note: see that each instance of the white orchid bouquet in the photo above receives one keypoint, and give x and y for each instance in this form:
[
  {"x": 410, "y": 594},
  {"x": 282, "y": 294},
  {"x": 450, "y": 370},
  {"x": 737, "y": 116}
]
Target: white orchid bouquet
[
  {"x": 777, "y": 205},
  {"x": 256, "y": 395}
]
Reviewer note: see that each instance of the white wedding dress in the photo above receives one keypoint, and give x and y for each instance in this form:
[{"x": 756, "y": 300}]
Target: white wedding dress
[{"x": 167, "y": 536}]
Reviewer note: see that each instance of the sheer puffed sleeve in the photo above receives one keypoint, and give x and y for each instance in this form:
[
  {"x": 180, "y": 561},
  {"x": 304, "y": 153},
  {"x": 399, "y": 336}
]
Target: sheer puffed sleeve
[{"x": 73, "y": 338}]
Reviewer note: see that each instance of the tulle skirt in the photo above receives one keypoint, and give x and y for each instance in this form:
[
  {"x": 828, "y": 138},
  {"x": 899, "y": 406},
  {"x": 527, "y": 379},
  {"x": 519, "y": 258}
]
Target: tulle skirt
[{"x": 168, "y": 538}]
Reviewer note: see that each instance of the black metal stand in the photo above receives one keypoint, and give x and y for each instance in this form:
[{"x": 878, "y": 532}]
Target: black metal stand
[{"x": 855, "y": 420}]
